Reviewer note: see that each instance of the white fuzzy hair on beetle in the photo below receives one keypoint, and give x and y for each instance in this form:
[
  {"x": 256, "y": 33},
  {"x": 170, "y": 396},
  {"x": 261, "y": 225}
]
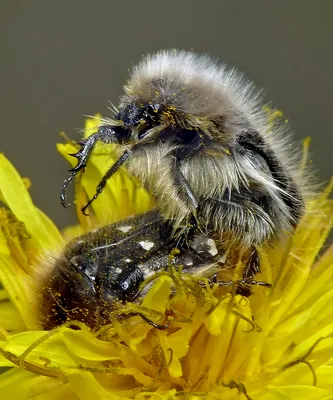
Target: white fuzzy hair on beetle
[{"x": 195, "y": 133}]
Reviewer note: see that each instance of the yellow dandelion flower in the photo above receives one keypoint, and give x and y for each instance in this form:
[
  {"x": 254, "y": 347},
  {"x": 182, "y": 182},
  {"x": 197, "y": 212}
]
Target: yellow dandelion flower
[{"x": 275, "y": 344}]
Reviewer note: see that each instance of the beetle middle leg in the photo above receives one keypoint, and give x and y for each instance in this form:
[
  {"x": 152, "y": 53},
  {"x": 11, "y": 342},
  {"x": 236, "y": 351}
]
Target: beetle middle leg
[
  {"x": 242, "y": 284},
  {"x": 251, "y": 269},
  {"x": 146, "y": 319}
]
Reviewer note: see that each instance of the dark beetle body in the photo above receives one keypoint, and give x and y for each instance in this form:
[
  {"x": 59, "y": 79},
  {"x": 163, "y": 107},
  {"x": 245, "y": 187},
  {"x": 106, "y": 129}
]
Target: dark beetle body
[
  {"x": 195, "y": 134},
  {"x": 223, "y": 176},
  {"x": 99, "y": 270}
]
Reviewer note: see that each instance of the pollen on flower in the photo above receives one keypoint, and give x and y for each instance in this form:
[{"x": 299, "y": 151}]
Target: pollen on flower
[{"x": 187, "y": 338}]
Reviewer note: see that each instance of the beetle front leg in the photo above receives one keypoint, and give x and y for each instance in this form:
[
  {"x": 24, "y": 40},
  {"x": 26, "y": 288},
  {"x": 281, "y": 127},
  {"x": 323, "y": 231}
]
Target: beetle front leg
[
  {"x": 82, "y": 156},
  {"x": 105, "y": 134}
]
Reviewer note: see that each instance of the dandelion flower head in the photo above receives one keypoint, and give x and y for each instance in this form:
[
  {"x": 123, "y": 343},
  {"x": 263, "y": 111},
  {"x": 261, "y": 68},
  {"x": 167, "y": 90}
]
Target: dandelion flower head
[{"x": 275, "y": 344}]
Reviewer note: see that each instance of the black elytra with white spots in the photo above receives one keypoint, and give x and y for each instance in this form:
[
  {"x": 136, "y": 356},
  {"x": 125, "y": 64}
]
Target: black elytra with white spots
[{"x": 105, "y": 267}]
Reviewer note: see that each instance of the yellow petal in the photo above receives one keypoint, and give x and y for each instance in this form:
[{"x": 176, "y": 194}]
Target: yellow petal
[
  {"x": 294, "y": 392},
  {"x": 47, "y": 354},
  {"x": 17, "y": 198},
  {"x": 91, "y": 125},
  {"x": 10, "y": 317},
  {"x": 17, "y": 284},
  {"x": 19, "y": 384},
  {"x": 158, "y": 295},
  {"x": 87, "y": 388},
  {"x": 84, "y": 345}
]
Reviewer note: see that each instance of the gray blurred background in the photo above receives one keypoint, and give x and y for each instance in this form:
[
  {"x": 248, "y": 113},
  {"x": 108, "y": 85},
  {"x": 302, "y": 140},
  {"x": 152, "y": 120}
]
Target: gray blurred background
[{"x": 63, "y": 59}]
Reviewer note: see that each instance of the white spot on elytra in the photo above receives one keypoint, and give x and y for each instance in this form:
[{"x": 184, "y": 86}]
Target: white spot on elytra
[
  {"x": 124, "y": 228},
  {"x": 128, "y": 260},
  {"x": 146, "y": 245},
  {"x": 117, "y": 270},
  {"x": 146, "y": 271},
  {"x": 188, "y": 262},
  {"x": 212, "y": 247}
]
